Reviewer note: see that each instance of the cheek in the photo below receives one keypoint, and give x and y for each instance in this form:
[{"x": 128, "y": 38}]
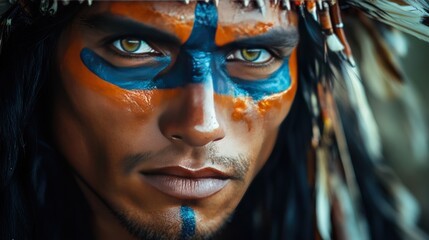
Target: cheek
[
  {"x": 260, "y": 120},
  {"x": 89, "y": 89},
  {"x": 276, "y": 107},
  {"x": 103, "y": 121},
  {"x": 269, "y": 111}
]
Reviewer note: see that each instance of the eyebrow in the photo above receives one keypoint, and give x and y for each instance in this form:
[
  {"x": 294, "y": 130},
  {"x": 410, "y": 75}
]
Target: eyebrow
[
  {"x": 278, "y": 38},
  {"x": 110, "y": 23}
]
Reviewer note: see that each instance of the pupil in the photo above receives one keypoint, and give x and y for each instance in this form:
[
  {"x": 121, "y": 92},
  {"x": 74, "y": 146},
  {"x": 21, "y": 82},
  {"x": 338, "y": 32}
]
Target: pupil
[
  {"x": 130, "y": 45},
  {"x": 250, "y": 54}
]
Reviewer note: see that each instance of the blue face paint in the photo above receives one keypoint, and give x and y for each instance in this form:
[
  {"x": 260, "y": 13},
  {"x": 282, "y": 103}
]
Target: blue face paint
[
  {"x": 125, "y": 77},
  {"x": 200, "y": 61},
  {"x": 188, "y": 222},
  {"x": 277, "y": 82}
]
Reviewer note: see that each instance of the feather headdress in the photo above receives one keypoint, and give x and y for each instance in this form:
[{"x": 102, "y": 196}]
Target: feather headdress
[
  {"x": 410, "y": 16},
  {"x": 372, "y": 72}
]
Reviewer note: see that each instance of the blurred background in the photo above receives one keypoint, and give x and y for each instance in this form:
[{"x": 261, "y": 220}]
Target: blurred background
[{"x": 414, "y": 171}]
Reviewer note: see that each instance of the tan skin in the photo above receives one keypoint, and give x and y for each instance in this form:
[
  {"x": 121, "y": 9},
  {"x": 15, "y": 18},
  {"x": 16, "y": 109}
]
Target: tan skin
[{"x": 98, "y": 125}]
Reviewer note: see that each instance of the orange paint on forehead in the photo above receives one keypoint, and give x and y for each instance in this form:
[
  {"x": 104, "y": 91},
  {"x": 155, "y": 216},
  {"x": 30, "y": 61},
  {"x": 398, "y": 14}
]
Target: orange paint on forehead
[
  {"x": 229, "y": 33},
  {"x": 140, "y": 102},
  {"x": 179, "y": 25}
]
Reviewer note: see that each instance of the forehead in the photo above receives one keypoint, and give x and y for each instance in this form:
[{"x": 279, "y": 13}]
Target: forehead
[{"x": 177, "y": 18}]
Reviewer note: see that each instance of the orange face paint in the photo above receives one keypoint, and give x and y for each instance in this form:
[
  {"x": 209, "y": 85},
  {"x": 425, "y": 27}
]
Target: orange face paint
[
  {"x": 235, "y": 24},
  {"x": 277, "y": 100},
  {"x": 178, "y": 24},
  {"x": 141, "y": 102},
  {"x": 112, "y": 137},
  {"x": 244, "y": 106},
  {"x": 229, "y": 33}
]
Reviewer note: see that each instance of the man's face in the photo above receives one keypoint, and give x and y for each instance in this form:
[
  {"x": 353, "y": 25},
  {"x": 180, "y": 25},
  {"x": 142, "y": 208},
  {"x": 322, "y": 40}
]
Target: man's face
[{"x": 167, "y": 111}]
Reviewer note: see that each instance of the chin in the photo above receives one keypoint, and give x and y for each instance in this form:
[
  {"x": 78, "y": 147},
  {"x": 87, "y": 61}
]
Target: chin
[
  {"x": 175, "y": 223},
  {"x": 163, "y": 227}
]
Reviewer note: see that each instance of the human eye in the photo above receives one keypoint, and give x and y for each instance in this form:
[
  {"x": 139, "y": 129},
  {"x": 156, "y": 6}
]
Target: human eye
[
  {"x": 130, "y": 51},
  {"x": 132, "y": 47},
  {"x": 253, "y": 63},
  {"x": 251, "y": 55}
]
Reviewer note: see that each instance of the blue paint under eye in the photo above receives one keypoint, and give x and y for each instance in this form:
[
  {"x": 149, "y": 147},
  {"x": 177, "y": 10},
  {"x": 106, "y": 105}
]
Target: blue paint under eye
[
  {"x": 188, "y": 222},
  {"x": 277, "y": 82},
  {"x": 200, "y": 61},
  {"x": 125, "y": 77}
]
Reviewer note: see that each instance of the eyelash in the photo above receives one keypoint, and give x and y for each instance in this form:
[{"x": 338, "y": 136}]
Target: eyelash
[
  {"x": 274, "y": 56},
  {"x": 110, "y": 46}
]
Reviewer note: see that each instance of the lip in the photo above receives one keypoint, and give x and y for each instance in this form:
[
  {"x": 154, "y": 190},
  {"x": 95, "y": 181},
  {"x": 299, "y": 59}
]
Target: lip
[{"x": 183, "y": 183}]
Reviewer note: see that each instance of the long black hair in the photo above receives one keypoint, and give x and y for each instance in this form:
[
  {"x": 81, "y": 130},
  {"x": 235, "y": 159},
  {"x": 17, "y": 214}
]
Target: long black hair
[{"x": 39, "y": 198}]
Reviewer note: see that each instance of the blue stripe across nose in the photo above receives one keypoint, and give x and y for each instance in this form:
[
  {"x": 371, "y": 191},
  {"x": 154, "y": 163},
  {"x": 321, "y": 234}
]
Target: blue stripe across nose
[
  {"x": 193, "y": 64},
  {"x": 199, "y": 61},
  {"x": 195, "y": 61}
]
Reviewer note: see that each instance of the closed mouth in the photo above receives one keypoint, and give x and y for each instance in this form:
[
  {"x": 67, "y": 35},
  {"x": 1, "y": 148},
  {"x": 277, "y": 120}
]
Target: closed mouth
[{"x": 184, "y": 183}]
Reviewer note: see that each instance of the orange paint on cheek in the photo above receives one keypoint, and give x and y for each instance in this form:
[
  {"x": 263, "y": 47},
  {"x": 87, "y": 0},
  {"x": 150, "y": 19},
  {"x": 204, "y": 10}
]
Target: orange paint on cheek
[
  {"x": 237, "y": 108},
  {"x": 79, "y": 81},
  {"x": 240, "y": 106},
  {"x": 146, "y": 13},
  {"x": 245, "y": 109},
  {"x": 144, "y": 102},
  {"x": 241, "y": 111},
  {"x": 230, "y": 33}
]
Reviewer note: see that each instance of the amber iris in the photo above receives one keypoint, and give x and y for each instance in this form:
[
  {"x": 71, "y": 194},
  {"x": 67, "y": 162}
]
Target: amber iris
[
  {"x": 130, "y": 45},
  {"x": 251, "y": 54}
]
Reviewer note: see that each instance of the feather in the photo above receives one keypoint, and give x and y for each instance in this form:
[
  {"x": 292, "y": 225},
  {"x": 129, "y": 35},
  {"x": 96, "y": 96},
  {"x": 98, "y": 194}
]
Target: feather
[
  {"x": 347, "y": 218},
  {"x": 344, "y": 195},
  {"x": 323, "y": 206},
  {"x": 377, "y": 47},
  {"x": 410, "y": 16},
  {"x": 406, "y": 210},
  {"x": 368, "y": 127}
]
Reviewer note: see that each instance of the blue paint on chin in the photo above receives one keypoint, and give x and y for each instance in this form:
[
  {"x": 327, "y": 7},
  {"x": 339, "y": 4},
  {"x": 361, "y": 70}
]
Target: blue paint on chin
[
  {"x": 187, "y": 215},
  {"x": 200, "y": 61}
]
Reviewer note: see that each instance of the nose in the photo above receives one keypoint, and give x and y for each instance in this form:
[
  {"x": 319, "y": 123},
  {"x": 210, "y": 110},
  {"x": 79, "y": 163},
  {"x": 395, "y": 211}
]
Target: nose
[{"x": 192, "y": 118}]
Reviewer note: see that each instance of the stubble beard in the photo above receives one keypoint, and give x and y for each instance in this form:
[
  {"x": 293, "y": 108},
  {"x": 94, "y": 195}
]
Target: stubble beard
[
  {"x": 169, "y": 230},
  {"x": 172, "y": 230},
  {"x": 167, "y": 227}
]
